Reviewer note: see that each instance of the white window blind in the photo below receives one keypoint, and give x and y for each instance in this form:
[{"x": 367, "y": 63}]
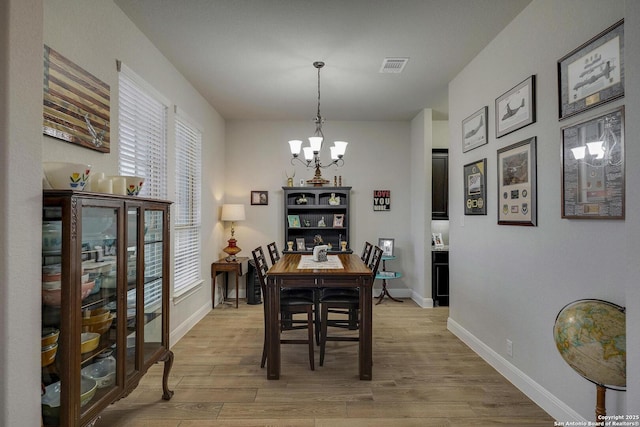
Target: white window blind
[
  {"x": 143, "y": 133},
  {"x": 187, "y": 223}
]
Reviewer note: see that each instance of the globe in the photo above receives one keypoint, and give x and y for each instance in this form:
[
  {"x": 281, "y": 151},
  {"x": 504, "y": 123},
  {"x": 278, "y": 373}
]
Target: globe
[{"x": 590, "y": 336}]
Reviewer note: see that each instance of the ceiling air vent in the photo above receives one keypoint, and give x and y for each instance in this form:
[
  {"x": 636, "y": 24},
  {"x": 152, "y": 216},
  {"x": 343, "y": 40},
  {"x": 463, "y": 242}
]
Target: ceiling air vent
[{"x": 393, "y": 65}]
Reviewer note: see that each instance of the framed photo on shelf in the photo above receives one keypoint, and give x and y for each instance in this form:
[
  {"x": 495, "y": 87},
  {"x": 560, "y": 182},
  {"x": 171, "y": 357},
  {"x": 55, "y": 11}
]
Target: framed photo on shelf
[
  {"x": 475, "y": 188},
  {"x": 259, "y": 197},
  {"x": 338, "y": 220},
  {"x": 516, "y": 108},
  {"x": 474, "y": 130},
  {"x": 517, "y": 184},
  {"x": 437, "y": 240},
  {"x": 593, "y": 73},
  {"x": 294, "y": 221},
  {"x": 386, "y": 245},
  {"x": 593, "y": 183},
  {"x": 300, "y": 246}
]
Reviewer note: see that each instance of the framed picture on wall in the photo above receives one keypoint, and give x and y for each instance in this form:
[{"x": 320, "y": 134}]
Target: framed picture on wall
[
  {"x": 259, "y": 197},
  {"x": 516, "y": 108},
  {"x": 474, "y": 130},
  {"x": 475, "y": 188},
  {"x": 517, "y": 183},
  {"x": 593, "y": 183},
  {"x": 593, "y": 73}
]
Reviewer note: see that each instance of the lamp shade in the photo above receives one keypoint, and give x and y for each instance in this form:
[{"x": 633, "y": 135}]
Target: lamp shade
[{"x": 232, "y": 212}]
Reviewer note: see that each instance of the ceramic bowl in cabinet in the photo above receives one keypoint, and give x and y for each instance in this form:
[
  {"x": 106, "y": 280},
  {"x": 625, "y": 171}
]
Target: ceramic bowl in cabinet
[
  {"x": 49, "y": 354},
  {"x": 51, "y": 398},
  {"x": 51, "y": 236},
  {"x": 49, "y": 336},
  {"x": 65, "y": 176},
  {"x": 89, "y": 341},
  {"x": 103, "y": 372},
  {"x": 53, "y": 297}
]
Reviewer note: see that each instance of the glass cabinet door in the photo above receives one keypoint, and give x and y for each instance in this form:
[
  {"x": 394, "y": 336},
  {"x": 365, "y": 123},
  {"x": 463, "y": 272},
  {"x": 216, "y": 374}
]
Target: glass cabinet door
[
  {"x": 133, "y": 215},
  {"x": 153, "y": 278},
  {"x": 98, "y": 303},
  {"x": 52, "y": 326}
]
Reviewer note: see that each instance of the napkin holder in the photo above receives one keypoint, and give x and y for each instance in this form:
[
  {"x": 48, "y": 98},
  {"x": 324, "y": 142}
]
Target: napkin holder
[{"x": 320, "y": 253}]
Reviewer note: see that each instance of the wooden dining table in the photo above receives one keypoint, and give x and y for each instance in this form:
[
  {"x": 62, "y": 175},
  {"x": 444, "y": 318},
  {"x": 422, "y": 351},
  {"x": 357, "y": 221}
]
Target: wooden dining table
[{"x": 353, "y": 274}]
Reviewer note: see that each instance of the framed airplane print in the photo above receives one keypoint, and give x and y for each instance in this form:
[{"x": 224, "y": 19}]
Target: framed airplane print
[
  {"x": 593, "y": 73},
  {"x": 516, "y": 108}
]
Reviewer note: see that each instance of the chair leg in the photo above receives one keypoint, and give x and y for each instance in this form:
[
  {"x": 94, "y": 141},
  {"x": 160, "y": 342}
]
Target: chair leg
[
  {"x": 264, "y": 350},
  {"x": 310, "y": 336},
  {"x": 323, "y": 335}
]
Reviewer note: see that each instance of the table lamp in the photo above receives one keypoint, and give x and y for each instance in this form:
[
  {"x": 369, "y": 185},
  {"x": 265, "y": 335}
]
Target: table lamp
[{"x": 233, "y": 213}]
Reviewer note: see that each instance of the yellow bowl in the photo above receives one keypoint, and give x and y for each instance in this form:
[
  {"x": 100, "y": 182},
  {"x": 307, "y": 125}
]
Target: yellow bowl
[
  {"x": 98, "y": 327},
  {"x": 49, "y": 354},
  {"x": 90, "y": 341},
  {"x": 98, "y": 315},
  {"x": 49, "y": 336}
]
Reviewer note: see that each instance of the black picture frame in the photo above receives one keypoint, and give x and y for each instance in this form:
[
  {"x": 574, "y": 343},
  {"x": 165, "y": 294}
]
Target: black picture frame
[
  {"x": 592, "y": 74},
  {"x": 475, "y": 131},
  {"x": 260, "y": 198},
  {"x": 517, "y": 184},
  {"x": 593, "y": 167},
  {"x": 516, "y": 108},
  {"x": 475, "y": 187},
  {"x": 387, "y": 246}
]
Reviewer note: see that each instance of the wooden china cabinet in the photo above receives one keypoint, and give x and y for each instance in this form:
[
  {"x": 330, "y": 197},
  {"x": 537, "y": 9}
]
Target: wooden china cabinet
[{"x": 105, "y": 264}]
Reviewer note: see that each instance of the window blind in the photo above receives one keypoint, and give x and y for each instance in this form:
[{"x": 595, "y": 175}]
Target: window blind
[
  {"x": 187, "y": 218},
  {"x": 142, "y": 133}
]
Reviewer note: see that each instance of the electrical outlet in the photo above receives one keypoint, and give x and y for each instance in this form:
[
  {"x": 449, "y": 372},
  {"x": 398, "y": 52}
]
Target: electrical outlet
[{"x": 509, "y": 348}]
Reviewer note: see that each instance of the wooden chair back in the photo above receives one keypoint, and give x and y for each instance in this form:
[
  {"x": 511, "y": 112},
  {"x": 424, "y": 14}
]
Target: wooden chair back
[
  {"x": 375, "y": 260},
  {"x": 273, "y": 252},
  {"x": 261, "y": 267},
  {"x": 366, "y": 253}
]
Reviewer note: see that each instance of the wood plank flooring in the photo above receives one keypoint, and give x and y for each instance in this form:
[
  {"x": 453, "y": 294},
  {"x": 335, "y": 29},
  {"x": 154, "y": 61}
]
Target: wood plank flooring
[{"x": 422, "y": 376}]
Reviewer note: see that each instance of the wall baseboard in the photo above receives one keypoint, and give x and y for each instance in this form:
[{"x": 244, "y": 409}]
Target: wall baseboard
[
  {"x": 534, "y": 391},
  {"x": 182, "y": 329}
]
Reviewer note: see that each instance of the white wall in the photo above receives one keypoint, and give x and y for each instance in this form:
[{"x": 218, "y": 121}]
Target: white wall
[
  {"x": 93, "y": 34},
  {"x": 377, "y": 158},
  {"x": 510, "y": 282},
  {"x": 20, "y": 204}
]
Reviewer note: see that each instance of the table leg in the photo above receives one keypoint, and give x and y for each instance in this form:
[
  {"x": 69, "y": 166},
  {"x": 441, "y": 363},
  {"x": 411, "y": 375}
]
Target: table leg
[
  {"x": 213, "y": 290},
  {"x": 365, "y": 356},
  {"x": 237, "y": 276},
  {"x": 272, "y": 308}
]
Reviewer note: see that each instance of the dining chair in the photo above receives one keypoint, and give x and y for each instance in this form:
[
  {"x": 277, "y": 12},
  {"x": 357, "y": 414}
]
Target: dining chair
[
  {"x": 274, "y": 254},
  {"x": 290, "y": 304},
  {"x": 343, "y": 302}
]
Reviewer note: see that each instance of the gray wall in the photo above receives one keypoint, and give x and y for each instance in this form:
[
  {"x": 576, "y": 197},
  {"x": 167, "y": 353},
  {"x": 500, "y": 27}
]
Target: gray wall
[{"x": 510, "y": 282}]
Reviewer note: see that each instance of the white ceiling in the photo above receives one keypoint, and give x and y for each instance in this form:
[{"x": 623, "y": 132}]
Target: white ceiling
[{"x": 252, "y": 59}]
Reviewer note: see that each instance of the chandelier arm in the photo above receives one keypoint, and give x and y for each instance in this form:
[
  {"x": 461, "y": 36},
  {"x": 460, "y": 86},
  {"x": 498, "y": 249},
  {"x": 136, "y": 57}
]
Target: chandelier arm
[
  {"x": 305, "y": 163},
  {"x": 338, "y": 163}
]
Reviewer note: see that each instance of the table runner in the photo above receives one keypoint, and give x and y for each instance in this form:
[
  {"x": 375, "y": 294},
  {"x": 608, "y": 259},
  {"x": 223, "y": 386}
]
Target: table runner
[{"x": 307, "y": 263}]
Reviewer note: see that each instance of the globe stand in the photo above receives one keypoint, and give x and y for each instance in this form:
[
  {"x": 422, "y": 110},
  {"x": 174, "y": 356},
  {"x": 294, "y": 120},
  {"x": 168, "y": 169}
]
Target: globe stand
[{"x": 601, "y": 402}]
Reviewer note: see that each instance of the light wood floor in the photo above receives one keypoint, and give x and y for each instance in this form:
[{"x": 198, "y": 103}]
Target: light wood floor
[{"x": 422, "y": 376}]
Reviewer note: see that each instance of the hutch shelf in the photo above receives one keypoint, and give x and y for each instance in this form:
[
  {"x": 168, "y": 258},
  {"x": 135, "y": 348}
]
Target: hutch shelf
[
  {"x": 105, "y": 310},
  {"x": 311, "y": 211}
]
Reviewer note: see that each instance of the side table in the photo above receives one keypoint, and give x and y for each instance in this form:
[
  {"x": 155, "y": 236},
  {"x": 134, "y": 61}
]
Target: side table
[
  {"x": 225, "y": 266},
  {"x": 385, "y": 275}
]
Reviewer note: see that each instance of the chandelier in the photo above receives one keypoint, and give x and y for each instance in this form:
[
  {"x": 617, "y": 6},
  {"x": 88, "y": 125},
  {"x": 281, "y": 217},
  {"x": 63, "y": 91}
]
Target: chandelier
[{"x": 312, "y": 152}]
